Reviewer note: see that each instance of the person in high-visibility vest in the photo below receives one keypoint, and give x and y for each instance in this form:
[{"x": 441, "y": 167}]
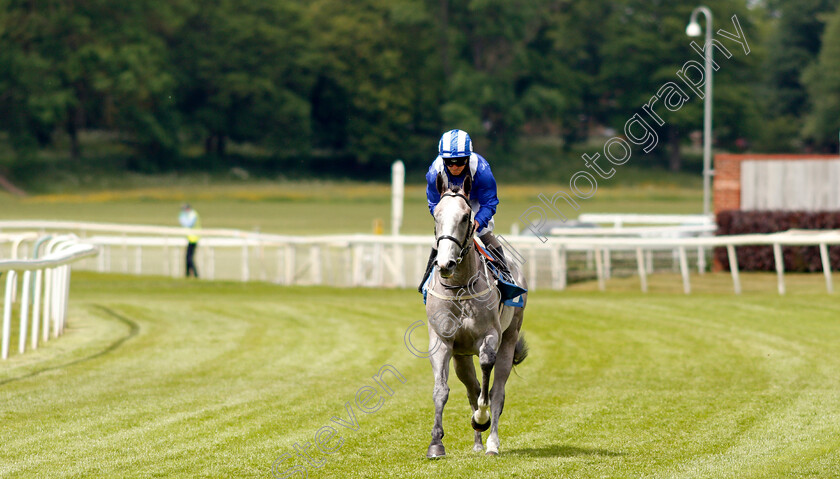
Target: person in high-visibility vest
[{"x": 189, "y": 219}]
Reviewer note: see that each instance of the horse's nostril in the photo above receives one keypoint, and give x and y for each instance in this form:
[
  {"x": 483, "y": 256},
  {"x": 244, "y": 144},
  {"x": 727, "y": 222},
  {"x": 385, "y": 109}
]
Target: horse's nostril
[{"x": 450, "y": 265}]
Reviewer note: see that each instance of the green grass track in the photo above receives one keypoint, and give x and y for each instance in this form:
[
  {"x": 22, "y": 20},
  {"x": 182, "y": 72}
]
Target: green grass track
[{"x": 170, "y": 378}]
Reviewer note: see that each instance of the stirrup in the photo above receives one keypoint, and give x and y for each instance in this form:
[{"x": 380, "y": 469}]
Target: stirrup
[
  {"x": 425, "y": 287},
  {"x": 511, "y": 293}
]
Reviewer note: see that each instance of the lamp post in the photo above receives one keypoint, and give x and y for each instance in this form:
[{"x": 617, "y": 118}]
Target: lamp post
[{"x": 693, "y": 30}]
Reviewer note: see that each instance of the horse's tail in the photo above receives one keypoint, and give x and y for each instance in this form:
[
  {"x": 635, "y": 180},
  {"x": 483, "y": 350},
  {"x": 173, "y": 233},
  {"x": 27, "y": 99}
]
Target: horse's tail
[{"x": 520, "y": 352}]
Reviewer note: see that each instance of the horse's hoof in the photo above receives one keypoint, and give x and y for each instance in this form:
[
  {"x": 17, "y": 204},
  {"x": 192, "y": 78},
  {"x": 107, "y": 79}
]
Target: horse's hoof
[
  {"x": 478, "y": 448},
  {"x": 436, "y": 451},
  {"x": 492, "y": 453},
  {"x": 479, "y": 427}
]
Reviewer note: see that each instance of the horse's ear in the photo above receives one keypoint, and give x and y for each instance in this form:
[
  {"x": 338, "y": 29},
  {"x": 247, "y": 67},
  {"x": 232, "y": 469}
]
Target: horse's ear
[
  {"x": 467, "y": 185},
  {"x": 440, "y": 184}
]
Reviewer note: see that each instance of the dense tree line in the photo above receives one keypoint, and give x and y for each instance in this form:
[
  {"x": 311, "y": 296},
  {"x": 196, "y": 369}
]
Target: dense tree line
[{"x": 366, "y": 81}]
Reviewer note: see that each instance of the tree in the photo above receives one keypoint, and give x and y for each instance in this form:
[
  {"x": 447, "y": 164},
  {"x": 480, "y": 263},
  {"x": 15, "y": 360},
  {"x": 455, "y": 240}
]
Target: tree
[
  {"x": 791, "y": 48},
  {"x": 489, "y": 68},
  {"x": 822, "y": 81},
  {"x": 35, "y": 97},
  {"x": 242, "y": 75},
  {"x": 380, "y": 82},
  {"x": 563, "y": 66},
  {"x": 77, "y": 65},
  {"x": 644, "y": 47}
]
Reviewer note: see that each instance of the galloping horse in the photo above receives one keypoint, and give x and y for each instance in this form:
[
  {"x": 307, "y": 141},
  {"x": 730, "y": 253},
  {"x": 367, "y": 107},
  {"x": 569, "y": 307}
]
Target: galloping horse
[{"x": 467, "y": 318}]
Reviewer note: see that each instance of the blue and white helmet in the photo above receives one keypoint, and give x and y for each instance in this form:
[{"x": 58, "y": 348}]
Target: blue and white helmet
[{"x": 455, "y": 144}]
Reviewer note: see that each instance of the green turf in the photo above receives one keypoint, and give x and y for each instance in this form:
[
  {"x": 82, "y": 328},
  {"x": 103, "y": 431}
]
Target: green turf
[
  {"x": 321, "y": 207},
  {"x": 171, "y": 378}
]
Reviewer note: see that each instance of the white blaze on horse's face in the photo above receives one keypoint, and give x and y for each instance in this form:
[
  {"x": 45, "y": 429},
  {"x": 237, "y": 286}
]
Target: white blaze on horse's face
[{"x": 452, "y": 218}]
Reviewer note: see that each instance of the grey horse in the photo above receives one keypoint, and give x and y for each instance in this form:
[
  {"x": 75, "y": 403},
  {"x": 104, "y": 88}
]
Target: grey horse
[{"x": 466, "y": 318}]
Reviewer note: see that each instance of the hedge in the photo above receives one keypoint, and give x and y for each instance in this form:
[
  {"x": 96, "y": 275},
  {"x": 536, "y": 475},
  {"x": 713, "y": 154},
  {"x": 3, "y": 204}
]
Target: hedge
[{"x": 760, "y": 258}]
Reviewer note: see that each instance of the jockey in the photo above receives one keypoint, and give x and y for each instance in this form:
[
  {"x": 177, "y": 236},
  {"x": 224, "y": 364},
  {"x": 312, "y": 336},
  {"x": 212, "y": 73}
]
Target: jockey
[{"x": 456, "y": 160}]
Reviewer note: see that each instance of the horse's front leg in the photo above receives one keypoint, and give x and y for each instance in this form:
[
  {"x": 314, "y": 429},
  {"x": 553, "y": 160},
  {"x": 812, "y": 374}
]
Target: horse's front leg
[
  {"x": 465, "y": 369},
  {"x": 486, "y": 359},
  {"x": 440, "y": 367}
]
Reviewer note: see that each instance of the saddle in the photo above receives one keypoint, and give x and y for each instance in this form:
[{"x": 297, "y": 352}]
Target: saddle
[{"x": 510, "y": 293}]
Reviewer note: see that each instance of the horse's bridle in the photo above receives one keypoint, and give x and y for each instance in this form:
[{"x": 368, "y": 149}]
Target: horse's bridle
[{"x": 464, "y": 245}]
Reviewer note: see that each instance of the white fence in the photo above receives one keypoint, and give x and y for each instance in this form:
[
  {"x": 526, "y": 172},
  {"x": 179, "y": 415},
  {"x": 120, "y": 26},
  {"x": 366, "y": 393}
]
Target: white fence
[
  {"x": 398, "y": 261},
  {"x": 51, "y": 276}
]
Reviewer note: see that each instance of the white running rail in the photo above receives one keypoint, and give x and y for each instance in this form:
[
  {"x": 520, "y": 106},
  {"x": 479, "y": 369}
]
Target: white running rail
[
  {"x": 618, "y": 220},
  {"x": 398, "y": 261},
  {"x": 45, "y": 286}
]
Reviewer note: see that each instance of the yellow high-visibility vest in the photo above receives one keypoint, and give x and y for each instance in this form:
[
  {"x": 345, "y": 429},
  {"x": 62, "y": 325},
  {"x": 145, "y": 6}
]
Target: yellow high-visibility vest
[{"x": 190, "y": 219}]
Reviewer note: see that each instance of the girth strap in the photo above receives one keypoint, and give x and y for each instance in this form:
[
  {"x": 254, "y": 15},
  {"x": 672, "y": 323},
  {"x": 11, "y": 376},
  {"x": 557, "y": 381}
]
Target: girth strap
[{"x": 458, "y": 298}]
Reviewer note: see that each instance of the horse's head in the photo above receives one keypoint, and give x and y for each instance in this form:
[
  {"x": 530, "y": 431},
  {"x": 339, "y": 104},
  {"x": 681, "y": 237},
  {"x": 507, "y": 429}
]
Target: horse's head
[{"x": 453, "y": 224}]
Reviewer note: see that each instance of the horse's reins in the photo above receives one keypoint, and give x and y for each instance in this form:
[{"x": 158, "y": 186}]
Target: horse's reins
[{"x": 465, "y": 246}]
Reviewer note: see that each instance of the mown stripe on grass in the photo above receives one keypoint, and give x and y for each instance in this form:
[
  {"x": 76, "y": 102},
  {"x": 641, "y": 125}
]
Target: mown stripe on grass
[
  {"x": 222, "y": 378},
  {"x": 133, "y": 329}
]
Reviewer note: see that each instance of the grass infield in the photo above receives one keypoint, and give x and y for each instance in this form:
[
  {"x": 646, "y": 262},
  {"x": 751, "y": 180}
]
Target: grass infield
[
  {"x": 170, "y": 378},
  {"x": 322, "y": 207}
]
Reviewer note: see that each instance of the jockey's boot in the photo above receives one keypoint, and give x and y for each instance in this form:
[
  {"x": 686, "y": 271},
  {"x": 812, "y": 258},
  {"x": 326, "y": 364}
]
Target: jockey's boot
[
  {"x": 499, "y": 255},
  {"x": 429, "y": 266}
]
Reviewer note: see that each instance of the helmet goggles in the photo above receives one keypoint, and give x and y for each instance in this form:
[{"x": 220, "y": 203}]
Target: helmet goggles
[{"x": 456, "y": 161}]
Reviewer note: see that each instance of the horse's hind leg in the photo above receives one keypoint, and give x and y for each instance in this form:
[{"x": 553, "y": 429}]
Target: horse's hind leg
[
  {"x": 440, "y": 368},
  {"x": 504, "y": 364},
  {"x": 465, "y": 369}
]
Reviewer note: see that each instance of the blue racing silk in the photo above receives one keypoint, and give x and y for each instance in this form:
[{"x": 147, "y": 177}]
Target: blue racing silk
[{"x": 483, "y": 197}]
